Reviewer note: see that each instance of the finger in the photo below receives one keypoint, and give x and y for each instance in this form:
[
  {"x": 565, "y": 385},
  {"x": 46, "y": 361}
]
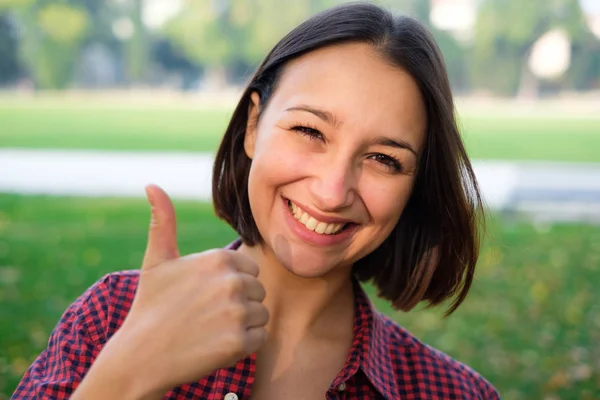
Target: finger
[
  {"x": 254, "y": 339},
  {"x": 257, "y": 316},
  {"x": 243, "y": 263},
  {"x": 255, "y": 291},
  {"x": 162, "y": 234}
]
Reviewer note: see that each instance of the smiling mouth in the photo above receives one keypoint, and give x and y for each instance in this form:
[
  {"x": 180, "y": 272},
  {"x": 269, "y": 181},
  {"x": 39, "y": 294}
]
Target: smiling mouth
[{"x": 313, "y": 224}]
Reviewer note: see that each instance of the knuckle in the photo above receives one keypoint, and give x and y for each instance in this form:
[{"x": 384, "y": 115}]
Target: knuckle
[
  {"x": 265, "y": 314},
  {"x": 237, "y": 315},
  {"x": 233, "y": 286},
  {"x": 263, "y": 292},
  {"x": 222, "y": 261},
  {"x": 253, "y": 267}
]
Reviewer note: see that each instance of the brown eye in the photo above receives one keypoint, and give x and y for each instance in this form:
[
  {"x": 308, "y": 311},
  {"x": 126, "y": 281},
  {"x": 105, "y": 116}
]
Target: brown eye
[
  {"x": 311, "y": 133},
  {"x": 388, "y": 161}
]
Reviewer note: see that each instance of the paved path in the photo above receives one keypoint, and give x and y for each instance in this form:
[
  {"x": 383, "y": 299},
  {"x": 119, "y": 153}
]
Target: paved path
[
  {"x": 99, "y": 173},
  {"x": 546, "y": 190}
]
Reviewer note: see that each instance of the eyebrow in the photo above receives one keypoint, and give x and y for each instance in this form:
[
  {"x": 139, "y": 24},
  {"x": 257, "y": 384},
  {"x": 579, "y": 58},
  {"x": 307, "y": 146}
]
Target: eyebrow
[
  {"x": 398, "y": 144},
  {"x": 326, "y": 116}
]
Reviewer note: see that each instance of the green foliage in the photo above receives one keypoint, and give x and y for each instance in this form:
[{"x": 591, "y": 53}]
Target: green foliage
[
  {"x": 455, "y": 58},
  {"x": 61, "y": 23},
  {"x": 53, "y": 34},
  {"x": 13, "y": 4},
  {"x": 9, "y": 62},
  {"x": 227, "y": 38},
  {"x": 218, "y": 33},
  {"x": 507, "y": 29},
  {"x": 197, "y": 32},
  {"x": 531, "y": 323},
  {"x": 584, "y": 73},
  {"x": 137, "y": 45}
]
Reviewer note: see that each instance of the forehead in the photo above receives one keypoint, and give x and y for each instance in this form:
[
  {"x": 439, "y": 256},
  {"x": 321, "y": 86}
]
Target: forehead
[{"x": 355, "y": 83}]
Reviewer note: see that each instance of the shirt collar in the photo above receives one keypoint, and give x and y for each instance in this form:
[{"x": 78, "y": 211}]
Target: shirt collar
[{"x": 371, "y": 344}]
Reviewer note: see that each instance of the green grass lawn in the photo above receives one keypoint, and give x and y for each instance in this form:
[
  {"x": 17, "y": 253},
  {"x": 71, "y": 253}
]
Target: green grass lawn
[
  {"x": 110, "y": 129},
  {"x": 65, "y": 124},
  {"x": 531, "y": 323}
]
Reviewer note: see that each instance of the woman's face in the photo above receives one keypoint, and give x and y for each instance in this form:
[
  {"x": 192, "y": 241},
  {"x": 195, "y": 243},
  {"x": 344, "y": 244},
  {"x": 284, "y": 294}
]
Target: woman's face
[{"x": 334, "y": 157}]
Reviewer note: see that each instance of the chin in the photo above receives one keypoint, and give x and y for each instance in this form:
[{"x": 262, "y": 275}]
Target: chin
[
  {"x": 303, "y": 262},
  {"x": 307, "y": 270}
]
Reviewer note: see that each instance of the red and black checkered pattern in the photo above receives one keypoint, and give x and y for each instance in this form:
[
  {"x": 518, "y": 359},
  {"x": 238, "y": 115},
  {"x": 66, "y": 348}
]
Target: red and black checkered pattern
[{"x": 385, "y": 361}]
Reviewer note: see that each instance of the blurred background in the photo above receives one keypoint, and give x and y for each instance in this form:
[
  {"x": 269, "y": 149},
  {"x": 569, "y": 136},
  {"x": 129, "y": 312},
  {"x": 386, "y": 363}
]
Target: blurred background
[{"x": 100, "y": 97}]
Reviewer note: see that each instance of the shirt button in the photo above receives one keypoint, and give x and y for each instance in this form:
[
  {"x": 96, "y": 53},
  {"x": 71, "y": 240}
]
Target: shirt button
[
  {"x": 230, "y": 396},
  {"x": 342, "y": 387}
]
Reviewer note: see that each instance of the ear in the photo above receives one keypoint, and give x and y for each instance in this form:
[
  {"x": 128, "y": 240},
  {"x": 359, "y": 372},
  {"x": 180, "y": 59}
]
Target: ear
[{"x": 251, "y": 125}]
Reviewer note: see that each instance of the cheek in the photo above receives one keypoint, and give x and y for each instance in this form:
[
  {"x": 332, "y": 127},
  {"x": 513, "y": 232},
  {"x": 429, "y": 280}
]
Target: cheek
[
  {"x": 277, "y": 159},
  {"x": 385, "y": 203},
  {"x": 276, "y": 162}
]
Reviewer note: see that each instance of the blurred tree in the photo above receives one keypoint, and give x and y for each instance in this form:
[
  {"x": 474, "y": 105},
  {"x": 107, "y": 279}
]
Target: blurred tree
[
  {"x": 506, "y": 30},
  {"x": 171, "y": 60},
  {"x": 456, "y": 59},
  {"x": 229, "y": 37},
  {"x": 454, "y": 52},
  {"x": 9, "y": 63},
  {"x": 62, "y": 29},
  {"x": 584, "y": 73},
  {"x": 51, "y": 34},
  {"x": 220, "y": 34},
  {"x": 137, "y": 46}
]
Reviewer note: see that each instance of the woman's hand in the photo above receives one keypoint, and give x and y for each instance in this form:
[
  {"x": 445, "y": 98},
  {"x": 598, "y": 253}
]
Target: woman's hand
[{"x": 190, "y": 316}]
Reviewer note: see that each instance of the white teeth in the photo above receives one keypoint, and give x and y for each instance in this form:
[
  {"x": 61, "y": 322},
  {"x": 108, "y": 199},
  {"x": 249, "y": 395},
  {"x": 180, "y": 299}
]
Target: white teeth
[
  {"x": 312, "y": 223},
  {"x": 321, "y": 227},
  {"x": 304, "y": 218}
]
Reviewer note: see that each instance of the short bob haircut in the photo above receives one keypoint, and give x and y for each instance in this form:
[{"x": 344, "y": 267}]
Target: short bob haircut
[{"x": 432, "y": 252}]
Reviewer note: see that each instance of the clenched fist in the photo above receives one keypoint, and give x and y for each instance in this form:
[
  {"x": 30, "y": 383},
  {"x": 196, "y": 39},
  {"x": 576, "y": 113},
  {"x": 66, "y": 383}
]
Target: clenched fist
[{"x": 191, "y": 315}]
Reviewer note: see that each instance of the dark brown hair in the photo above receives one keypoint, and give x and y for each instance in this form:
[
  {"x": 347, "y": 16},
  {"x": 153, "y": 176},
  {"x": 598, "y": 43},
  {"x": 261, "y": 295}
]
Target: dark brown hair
[{"x": 432, "y": 252}]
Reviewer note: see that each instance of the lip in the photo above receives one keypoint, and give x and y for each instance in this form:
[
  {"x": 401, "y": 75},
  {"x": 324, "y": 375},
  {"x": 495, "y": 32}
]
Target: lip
[
  {"x": 317, "y": 216},
  {"x": 311, "y": 237}
]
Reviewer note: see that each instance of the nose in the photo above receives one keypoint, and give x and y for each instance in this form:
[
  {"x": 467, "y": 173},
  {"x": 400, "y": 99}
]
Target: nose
[{"x": 334, "y": 186}]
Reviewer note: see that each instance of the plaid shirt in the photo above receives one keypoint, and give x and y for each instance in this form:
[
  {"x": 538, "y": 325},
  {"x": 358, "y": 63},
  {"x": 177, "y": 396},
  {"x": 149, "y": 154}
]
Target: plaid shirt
[{"x": 385, "y": 361}]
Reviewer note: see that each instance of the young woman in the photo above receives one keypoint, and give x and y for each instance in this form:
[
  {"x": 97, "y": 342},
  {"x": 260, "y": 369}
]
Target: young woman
[{"x": 342, "y": 163}]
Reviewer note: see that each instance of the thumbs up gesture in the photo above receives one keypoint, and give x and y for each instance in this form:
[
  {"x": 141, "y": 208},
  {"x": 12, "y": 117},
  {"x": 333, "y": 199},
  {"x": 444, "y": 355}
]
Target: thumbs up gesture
[{"x": 191, "y": 314}]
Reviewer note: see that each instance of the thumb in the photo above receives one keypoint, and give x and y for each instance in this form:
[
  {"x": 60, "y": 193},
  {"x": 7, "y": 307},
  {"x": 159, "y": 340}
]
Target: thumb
[{"x": 162, "y": 234}]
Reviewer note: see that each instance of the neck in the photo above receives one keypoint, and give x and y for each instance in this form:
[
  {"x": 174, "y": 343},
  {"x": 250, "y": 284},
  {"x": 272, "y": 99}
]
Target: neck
[{"x": 301, "y": 306}]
